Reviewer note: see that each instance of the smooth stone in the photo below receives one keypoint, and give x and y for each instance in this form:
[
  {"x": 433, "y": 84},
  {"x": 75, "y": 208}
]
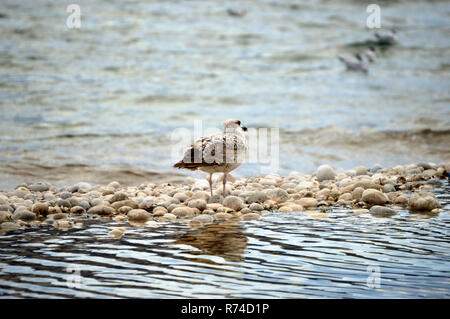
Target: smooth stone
[
  {"x": 246, "y": 210},
  {"x": 376, "y": 168},
  {"x": 78, "y": 210},
  {"x": 256, "y": 207},
  {"x": 21, "y": 192},
  {"x": 24, "y": 215},
  {"x": 381, "y": 211},
  {"x": 182, "y": 197},
  {"x": 65, "y": 195},
  {"x": 63, "y": 203},
  {"x": 117, "y": 233},
  {"x": 138, "y": 215},
  {"x": 160, "y": 210},
  {"x": 204, "y": 218},
  {"x": 325, "y": 172},
  {"x": 209, "y": 212},
  {"x": 255, "y": 196},
  {"x": 250, "y": 216},
  {"x": 58, "y": 216},
  {"x": 424, "y": 165},
  {"x": 128, "y": 202},
  {"x": 308, "y": 202},
  {"x": 233, "y": 202},
  {"x": 267, "y": 182},
  {"x": 217, "y": 198},
  {"x": 39, "y": 187},
  {"x": 345, "y": 197},
  {"x": 278, "y": 193},
  {"x": 423, "y": 201},
  {"x": 6, "y": 208},
  {"x": 101, "y": 210},
  {"x": 388, "y": 188},
  {"x": 4, "y": 216},
  {"x": 374, "y": 197},
  {"x": 114, "y": 185},
  {"x": 201, "y": 195},
  {"x": 117, "y": 197},
  {"x": 360, "y": 170},
  {"x": 197, "y": 203},
  {"x": 183, "y": 211},
  {"x": 40, "y": 208},
  {"x": 367, "y": 185},
  {"x": 357, "y": 193},
  {"x": 401, "y": 200},
  {"x": 85, "y": 204}
]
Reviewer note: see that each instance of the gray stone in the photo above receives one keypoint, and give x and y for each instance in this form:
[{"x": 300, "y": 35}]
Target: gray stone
[
  {"x": 388, "y": 188},
  {"x": 101, "y": 210},
  {"x": 325, "y": 172},
  {"x": 24, "y": 215},
  {"x": 374, "y": 197},
  {"x": 197, "y": 203},
  {"x": 381, "y": 211},
  {"x": 119, "y": 196},
  {"x": 233, "y": 202},
  {"x": 39, "y": 187},
  {"x": 255, "y": 196},
  {"x": 278, "y": 193},
  {"x": 423, "y": 201},
  {"x": 376, "y": 168},
  {"x": 138, "y": 215}
]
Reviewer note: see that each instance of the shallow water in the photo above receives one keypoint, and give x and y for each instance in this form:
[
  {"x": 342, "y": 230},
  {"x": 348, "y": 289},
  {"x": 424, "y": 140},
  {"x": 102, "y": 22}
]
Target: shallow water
[
  {"x": 282, "y": 255},
  {"x": 102, "y": 101}
]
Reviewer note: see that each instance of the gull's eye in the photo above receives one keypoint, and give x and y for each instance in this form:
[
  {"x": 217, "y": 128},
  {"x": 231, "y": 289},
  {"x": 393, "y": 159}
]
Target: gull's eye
[{"x": 238, "y": 122}]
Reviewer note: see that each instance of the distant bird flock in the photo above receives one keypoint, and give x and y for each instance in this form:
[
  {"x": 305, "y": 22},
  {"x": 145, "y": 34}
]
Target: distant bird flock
[{"x": 361, "y": 63}]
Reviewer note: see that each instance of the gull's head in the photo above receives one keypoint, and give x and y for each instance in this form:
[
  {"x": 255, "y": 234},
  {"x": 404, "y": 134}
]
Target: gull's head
[{"x": 233, "y": 126}]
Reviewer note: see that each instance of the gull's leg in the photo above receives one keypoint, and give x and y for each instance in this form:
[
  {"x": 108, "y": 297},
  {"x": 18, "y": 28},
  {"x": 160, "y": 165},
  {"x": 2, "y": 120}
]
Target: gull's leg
[
  {"x": 210, "y": 183},
  {"x": 224, "y": 182}
]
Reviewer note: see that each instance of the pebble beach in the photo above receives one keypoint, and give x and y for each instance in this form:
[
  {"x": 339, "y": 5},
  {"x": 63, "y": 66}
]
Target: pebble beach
[{"x": 376, "y": 191}]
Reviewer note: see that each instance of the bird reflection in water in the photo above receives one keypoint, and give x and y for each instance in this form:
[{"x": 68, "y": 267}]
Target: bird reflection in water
[{"x": 225, "y": 239}]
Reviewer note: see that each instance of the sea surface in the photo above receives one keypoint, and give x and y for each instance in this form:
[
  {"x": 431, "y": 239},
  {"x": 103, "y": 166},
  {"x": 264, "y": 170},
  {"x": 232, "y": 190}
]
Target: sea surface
[{"x": 101, "y": 102}]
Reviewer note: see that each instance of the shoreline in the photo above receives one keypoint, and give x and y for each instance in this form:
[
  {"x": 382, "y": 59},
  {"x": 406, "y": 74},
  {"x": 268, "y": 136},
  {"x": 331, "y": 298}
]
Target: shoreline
[{"x": 378, "y": 191}]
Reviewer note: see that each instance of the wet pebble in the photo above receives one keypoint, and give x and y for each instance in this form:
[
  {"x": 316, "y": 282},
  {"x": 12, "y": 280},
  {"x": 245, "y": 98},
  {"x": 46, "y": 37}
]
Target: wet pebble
[
  {"x": 233, "y": 202},
  {"x": 24, "y": 215},
  {"x": 101, "y": 210},
  {"x": 374, "y": 197},
  {"x": 325, "y": 172},
  {"x": 381, "y": 211},
  {"x": 423, "y": 201},
  {"x": 117, "y": 233},
  {"x": 138, "y": 215}
]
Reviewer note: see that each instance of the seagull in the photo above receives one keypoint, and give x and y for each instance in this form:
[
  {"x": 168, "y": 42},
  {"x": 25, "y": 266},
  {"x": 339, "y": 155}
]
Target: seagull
[
  {"x": 236, "y": 13},
  {"x": 367, "y": 56},
  {"x": 387, "y": 38},
  {"x": 219, "y": 153},
  {"x": 354, "y": 66}
]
